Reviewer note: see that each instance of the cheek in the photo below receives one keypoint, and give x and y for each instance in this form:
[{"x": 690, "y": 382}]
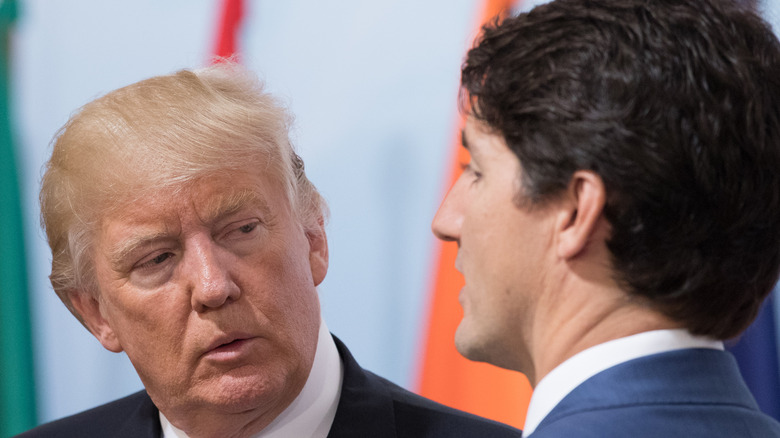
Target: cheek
[
  {"x": 295, "y": 299},
  {"x": 482, "y": 237},
  {"x": 151, "y": 309},
  {"x": 300, "y": 310},
  {"x": 281, "y": 287},
  {"x": 147, "y": 322}
]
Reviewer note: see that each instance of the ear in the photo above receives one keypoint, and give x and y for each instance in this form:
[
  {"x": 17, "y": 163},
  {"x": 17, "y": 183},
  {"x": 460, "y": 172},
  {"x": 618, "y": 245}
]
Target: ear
[
  {"x": 318, "y": 251},
  {"x": 580, "y": 218},
  {"x": 88, "y": 307}
]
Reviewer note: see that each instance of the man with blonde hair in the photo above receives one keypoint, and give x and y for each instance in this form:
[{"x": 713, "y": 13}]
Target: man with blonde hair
[{"x": 185, "y": 233}]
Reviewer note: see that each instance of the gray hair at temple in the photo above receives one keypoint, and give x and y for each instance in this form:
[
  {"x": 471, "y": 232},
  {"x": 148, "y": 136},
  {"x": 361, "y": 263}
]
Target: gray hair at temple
[{"x": 162, "y": 132}]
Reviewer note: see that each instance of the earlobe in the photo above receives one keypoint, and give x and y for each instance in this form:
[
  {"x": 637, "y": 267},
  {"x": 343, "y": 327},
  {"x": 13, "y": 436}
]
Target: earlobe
[
  {"x": 88, "y": 308},
  {"x": 583, "y": 206},
  {"x": 318, "y": 252}
]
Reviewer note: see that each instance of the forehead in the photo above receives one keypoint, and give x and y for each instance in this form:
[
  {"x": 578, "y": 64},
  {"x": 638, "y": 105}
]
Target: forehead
[
  {"x": 204, "y": 200},
  {"x": 205, "y": 193},
  {"x": 167, "y": 212},
  {"x": 224, "y": 194}
]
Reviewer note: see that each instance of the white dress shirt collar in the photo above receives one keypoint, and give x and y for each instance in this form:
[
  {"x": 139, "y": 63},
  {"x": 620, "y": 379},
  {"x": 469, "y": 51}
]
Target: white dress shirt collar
[
  {"x": 571, "y": 373},
  {"x": 311, "y": 413}
]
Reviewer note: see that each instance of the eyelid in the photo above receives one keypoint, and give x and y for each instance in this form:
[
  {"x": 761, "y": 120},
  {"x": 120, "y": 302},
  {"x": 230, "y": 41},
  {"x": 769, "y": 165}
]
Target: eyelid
[
  {"x": 147, "y": 262},
  {"x": 468, "y": 167},
  {"x": 236, "y": 226}
]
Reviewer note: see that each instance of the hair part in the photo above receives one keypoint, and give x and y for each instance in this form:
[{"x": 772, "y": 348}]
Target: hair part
[{"x": 676, "y": 105}]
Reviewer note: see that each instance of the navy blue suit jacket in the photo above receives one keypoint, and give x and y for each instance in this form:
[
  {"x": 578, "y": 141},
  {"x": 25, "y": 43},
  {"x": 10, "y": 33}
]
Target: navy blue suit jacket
[
  {"x": 369, "y": 407},
  {"x": 692, "y": 393}
]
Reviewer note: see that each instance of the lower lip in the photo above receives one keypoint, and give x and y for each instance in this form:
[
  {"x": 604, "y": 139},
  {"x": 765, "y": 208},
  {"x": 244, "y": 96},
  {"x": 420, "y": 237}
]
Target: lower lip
[{"x": 229, "y": 352}]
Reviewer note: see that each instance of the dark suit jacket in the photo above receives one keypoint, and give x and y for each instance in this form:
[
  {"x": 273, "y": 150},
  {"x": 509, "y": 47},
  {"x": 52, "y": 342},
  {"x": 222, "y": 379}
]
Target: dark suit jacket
[
  {"x": 369, "y": 407},
  {"x": 693, "y": 393}
]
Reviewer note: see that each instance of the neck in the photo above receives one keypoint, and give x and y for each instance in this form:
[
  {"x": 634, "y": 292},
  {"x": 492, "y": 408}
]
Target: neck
[{"x": 581, "y": 313}]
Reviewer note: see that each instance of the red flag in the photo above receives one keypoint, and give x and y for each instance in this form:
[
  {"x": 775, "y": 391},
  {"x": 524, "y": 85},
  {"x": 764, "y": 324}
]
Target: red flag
[
  {"x": 445, "y": 375},
  {"x": 225, "y": 43}
]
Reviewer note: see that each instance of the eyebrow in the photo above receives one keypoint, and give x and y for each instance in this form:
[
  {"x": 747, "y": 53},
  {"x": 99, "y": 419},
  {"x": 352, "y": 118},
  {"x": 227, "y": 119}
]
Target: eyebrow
[
  {"x": 213, "y": 211},
  {"x": 120, "y": 252},
  {"x": 224, "y": 206}
]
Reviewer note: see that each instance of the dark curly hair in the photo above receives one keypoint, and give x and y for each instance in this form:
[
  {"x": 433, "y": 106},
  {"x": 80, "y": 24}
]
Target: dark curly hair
[{"x": 676, "y": 105}]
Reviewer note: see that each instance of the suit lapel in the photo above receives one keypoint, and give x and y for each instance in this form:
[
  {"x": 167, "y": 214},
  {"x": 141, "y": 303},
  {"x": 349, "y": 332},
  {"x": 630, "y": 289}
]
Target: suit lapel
[
  {"x": 142, "y": 422},
  {"x": 365, "y": 408}
]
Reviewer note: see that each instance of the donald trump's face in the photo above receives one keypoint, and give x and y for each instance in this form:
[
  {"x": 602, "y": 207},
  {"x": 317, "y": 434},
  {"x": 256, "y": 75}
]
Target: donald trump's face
[{"x": 210, "y": 290}]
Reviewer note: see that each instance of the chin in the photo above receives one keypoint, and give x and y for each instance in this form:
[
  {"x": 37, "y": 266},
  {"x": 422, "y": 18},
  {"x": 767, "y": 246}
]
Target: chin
[
  {"x": 240, "y": 393},
  {"x": 482, "y": 347},
  {"x": 468, "y": 343}
]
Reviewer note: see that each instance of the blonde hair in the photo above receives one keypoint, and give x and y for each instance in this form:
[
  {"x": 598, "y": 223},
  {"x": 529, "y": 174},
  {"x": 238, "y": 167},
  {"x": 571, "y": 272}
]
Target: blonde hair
[{"x": 161, "y": 132}]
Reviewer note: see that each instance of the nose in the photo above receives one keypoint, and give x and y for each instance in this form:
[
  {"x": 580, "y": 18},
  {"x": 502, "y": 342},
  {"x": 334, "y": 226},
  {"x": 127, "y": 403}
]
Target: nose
[
  {"x": 211, "y": 282},
  {"x": 449, "y": 218}
]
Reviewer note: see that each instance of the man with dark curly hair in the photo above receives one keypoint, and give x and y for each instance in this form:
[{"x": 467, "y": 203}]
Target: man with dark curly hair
[{"x": 620, "y": 216}]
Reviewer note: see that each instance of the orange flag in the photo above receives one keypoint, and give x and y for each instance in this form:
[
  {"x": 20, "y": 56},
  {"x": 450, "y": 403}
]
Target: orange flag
[{"x": 445, "y": 375}]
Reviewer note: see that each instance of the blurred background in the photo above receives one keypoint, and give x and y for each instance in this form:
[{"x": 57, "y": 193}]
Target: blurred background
[{"x": 373, "y": 86}]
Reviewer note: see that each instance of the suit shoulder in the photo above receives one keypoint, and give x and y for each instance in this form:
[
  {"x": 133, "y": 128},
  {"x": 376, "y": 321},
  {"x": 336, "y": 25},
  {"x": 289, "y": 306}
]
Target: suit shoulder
[
  {"x": 128, "y": 416},
  {"x": 647, "y": 421},
  {"x": 417, "y": 416}
]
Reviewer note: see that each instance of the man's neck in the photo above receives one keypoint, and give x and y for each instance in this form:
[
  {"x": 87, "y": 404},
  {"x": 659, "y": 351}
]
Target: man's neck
[{"x": 586, "y": 316}]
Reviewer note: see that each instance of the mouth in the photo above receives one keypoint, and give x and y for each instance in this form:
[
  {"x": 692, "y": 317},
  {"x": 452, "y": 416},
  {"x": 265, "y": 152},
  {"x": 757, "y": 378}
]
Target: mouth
[{"x": 228, "y": 347}]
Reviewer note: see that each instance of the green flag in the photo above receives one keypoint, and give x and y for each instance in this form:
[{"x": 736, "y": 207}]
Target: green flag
[{"x": 17, "y": 392}]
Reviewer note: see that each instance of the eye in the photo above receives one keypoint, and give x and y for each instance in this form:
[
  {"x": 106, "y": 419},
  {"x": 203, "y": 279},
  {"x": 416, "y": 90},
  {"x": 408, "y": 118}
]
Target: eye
[
  {"x": 247, "y": 228},
  {"x": 155, "y": 261},
  {"x": 468, "y": 168},
  {"x": 241, "y": 230},
  {"x": 153, "y": 271}
]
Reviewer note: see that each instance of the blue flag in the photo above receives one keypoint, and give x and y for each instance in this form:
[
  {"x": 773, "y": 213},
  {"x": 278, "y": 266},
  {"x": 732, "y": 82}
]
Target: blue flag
[{"x": 757, "y": 354}]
